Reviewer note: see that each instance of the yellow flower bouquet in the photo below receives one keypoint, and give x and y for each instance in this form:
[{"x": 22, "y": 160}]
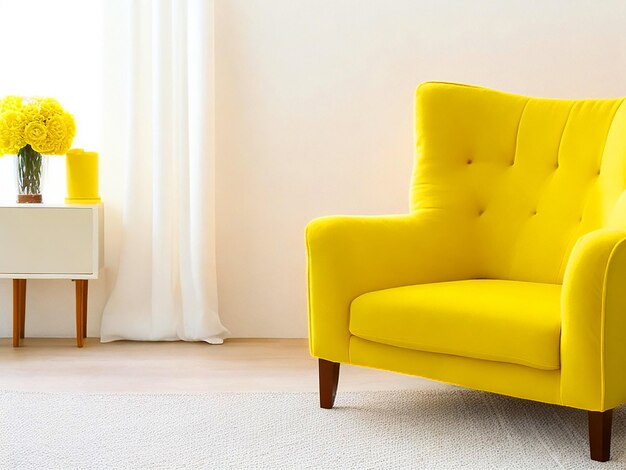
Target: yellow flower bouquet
[{"x": 30, "y": 127}]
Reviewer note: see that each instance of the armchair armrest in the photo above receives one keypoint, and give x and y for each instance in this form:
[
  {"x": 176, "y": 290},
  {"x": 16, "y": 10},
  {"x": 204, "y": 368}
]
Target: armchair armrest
[
  {"x": 349, "y": 256},
  {"x": 593, "y": 322}
]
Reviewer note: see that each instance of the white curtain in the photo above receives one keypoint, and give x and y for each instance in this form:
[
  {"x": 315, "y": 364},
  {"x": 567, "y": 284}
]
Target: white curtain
[{"x": 166, "y": 287}]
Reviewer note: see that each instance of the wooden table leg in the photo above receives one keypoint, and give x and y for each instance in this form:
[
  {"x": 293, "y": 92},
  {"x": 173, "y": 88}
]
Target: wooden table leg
[
  {"x": 16, "y": 314},
  {"x": 19, "y": 310},
  {"x": 22, "y": 307},
  {"x": 85, "y": 298},
  {"x": 81, "y": 310}
]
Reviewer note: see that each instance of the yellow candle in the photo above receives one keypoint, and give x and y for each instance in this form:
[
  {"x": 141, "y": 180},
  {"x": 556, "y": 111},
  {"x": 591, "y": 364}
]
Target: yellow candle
[{"x": 82, "y": 177}]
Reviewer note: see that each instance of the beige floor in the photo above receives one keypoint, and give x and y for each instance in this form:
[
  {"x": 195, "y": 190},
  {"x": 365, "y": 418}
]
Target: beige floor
[{"x": 124, "y": 366}]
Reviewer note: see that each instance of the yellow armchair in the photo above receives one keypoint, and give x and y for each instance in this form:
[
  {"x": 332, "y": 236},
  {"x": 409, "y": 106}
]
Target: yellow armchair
[{"x": 509, "y": 273}]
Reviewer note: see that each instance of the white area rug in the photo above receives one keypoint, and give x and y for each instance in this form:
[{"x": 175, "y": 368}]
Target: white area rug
[{"x": 402, "y": 429}]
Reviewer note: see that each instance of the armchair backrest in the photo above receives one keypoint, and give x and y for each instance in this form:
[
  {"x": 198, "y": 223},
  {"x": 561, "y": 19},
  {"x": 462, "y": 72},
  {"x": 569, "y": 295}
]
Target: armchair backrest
[{"x": 523, "y": 177}]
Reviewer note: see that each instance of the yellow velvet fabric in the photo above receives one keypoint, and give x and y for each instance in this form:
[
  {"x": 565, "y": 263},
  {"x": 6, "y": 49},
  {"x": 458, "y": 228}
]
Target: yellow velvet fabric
[
  {"x": 593, "y": 317},
  {"x": 504, "y": 321},
  {"x": 505, "y": 188},
  {"x": 490, "y": 376}
]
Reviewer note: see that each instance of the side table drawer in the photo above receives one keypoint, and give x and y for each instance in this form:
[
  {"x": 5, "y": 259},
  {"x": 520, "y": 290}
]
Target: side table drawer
[{"x": 47, "y": 240}]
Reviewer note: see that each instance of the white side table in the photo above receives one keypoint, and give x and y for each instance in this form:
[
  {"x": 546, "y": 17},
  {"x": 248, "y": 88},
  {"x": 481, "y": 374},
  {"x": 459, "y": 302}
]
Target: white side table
[{"x": 42, "y": 241}]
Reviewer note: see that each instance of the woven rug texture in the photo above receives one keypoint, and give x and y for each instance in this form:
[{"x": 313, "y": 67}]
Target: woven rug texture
[{"x": 393, "y": 430}]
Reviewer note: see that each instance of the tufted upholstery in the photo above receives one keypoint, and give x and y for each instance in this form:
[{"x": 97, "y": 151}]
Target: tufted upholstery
[
  {"x": 527, "y": 176},
  {"x": 509, "y": 273},
  {"x": 506, "y": 188}
]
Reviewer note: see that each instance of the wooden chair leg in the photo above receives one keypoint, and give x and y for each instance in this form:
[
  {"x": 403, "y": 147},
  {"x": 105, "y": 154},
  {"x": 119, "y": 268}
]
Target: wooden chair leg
[
  {"x": 329, "y": 377},
  {"x": 600, "y": 423},
  {"x": 22, "y": 307},
  {"x": 81, "y": 285}
]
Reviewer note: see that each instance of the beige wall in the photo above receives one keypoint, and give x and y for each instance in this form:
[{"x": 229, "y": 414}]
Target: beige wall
[
  {"x": 314, "y": 117},
  {"x": 315, "y": 112}
]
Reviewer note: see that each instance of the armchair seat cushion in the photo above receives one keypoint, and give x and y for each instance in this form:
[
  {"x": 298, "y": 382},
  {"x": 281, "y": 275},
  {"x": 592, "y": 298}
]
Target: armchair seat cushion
[{"x": 496, "y": 320}]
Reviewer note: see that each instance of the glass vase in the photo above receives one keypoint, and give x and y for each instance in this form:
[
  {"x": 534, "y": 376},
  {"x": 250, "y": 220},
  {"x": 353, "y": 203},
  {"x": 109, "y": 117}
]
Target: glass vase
[{"x": 30, "y": 172}]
